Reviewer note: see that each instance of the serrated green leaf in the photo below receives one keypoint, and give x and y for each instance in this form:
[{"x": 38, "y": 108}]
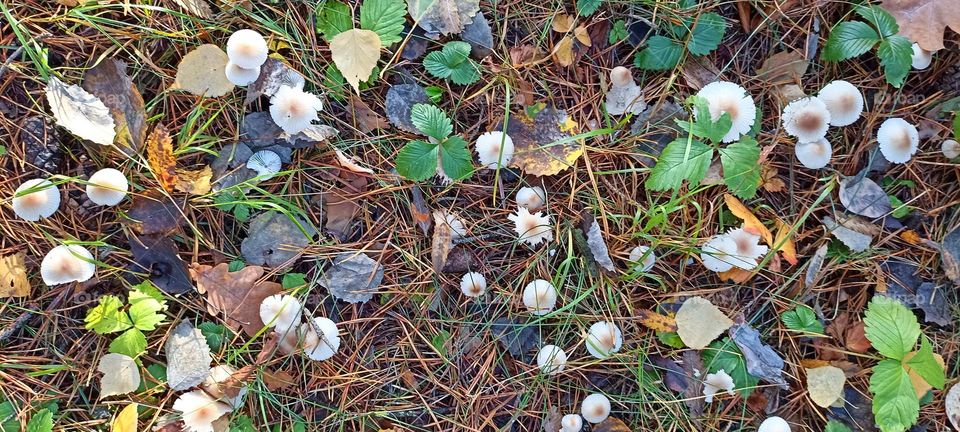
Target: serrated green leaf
[
  {"x": 741, "y": 172},
  {"x": 453, "y": 62},
  {"x": 215, "y": 334},
  {"x": 417, "y": 160},
  {"x": 682, "y": 159},
  {"x": 803, "y": 319},
  {"x": 702, "y": 124},
  {"x": 108, "y": 316},
  {"x": 707, "y": 34},
  {"x": 836, "y": 426},
  {"x": 241, "y": 212},
  {"x": 333, "y": 18},
  {"x": 431, "y": 121},
  {"x": 899, "y": 208},
  {"x": 896, "y": 54},
  {"x": 895, "y": 403},
  {"x": 890, "y": 327},
  {"x": 923, "y": 363},
  {"x": 661, "y": 53},
  {"x": 144, "y": 310},
  {"x": 42, "y": 421},
  {"x": 956, "y": 126},
  {"x": 466, "y": 73},
  {"x": 242, "y": 423},
  {"x": 885, "y": 23},
  {"x": 724, "y": 354},
  {"x": 848, "y": 40},
  {"x": 385, "y": 18},
  {"x": 671, "y": 339},
  {"x": 455, "y": 159},
  {"x": 293, "y": 280},
  {"x": 588, "y": 7},
  {"x": 130, "y": 343},
  {"x": 8, "y": 417},
  {"x": 618, "y": 32}
]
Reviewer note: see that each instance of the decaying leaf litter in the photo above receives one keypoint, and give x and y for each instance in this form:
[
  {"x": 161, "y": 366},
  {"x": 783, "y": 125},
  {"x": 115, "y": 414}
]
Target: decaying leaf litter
[{"x": 276, "y": 232}]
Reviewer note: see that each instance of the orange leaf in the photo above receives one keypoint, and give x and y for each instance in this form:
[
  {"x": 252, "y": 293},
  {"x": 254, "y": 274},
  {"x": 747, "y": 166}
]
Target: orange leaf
[
  {"x": 813, "y": 363},
  {"x": 736, "y": 275},
  {"x": 656, "y": 321},
  {"x": 750, "y": 222},
  {"x": 161, "y": 159},
  {"x": 787, "y": 247},
  {"x": 911, "y": 236}
]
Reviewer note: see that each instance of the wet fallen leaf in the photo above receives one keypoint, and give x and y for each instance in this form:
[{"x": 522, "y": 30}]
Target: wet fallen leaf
[
  {"x": 110, "y": 83},
  {"x": 442, "y": 16},
  {"x": 364, "y": 117},
  {"x": 825, "y": 385},
  {"x": 235, "y": 295},
  {"x": 849, "y": 232},
  {"x": 419, "y": 210},
  {"x": 698, "y": 72},
  {"x": 157, "y": 257},
  {"x": 543, "y": 148},
  {"x": 595, "y": 241},
  {"x": 126, "y": 421},
  {"x": 340, "y": 204},
  {"x": 79, "y": 112},
  {"x": 155, "y": 213},
  {"x": 925, "y": 21},
  {"x": 517, "y": 337},
  {"x": 194, "y": 182},
  {"x": 611, "y": 424},
  {"x": 121, "y": 375},
  {"x": 672, "y": 373},
  {"x": 656, "y": 321},
  {"x": 787, "y": 247},
  {"x": 350, "y": 164},
  {"x": 762, "y": 360},
  {"x": 563, "y": 52},
  {"x": 442, "y": 241},
  {"x": 699, "y": 322},
  {"x": 274, "y": 239},
  {"x": 933, "y": 301},
  {"x": 274, "y": 73},
  {"x": 750, "y": 222},
  {"x": 13, "y": 276},
  {"x": 352, "y": 277},
  {"x": 188, "y": 356},
  {"x": 201, "y": 72},
  {"x": 160, "y": 157},
  {"x": 400, "y": 101},
  {"x": 356, "y": 52},
  {"x": 479, "y": 36},
  {"x": 864, "y": 197}
]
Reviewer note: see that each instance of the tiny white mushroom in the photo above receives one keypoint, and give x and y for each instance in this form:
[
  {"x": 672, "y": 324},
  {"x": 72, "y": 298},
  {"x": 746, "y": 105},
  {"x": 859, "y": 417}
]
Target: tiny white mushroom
[
  {"x": 715, "y": 383},
  {"x": 473, "y": 284},
  {"x": 531, "y": 228},
  {"x": 643, "y": 257},
  {"x": 921, "y": 58},
  {"x": 716, "y": 253},
  {"x": 749, "y": 249},
  {"x": 67, "y": 263},
  {"x": 603, "y": 339},
  {"x": 571, "y": 423},
  {"x": 807, "y": 119},
  {"x": 199, "y": 410},
  {"x": 293, "y": 109},
  {"x": 595, "y": 408},
  {"x": 213, "y": 385},
  {"x": 814, "y": 155},
  {"x": 36, "y": 199},
  {"x": 898, "y": 140},
  {"x": 531, "y": 198},
  {"x": 625, "y": 96},
  {"x": 320, "y": 346},
  {"x": 247, "y": 49},
  {"x": 774, "y": 424},
  {"x": 266, "y": 163},
  {"x": 494, "y": 149},
  {"x": 727, "y": 97},
  {"x": 289, "y": 340},
  {"x": 281, "y": 312},
  {"x": 551, "y": 359},
  {"x": 241, "y": 76},
  {"x": 843, "y": 100},
  {"x": 107, "y": 187},
  {"x": 540, "y": 297},
  {"x": 950, "y": 148}
]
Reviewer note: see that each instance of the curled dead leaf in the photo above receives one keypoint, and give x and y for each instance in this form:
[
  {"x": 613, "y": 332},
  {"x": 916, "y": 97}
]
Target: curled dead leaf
[{"x": 750, "y": 222}]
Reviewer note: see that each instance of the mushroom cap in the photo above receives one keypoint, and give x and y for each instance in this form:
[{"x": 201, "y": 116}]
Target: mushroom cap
[
  {"x": 571, "y": 423},
  {"x": 199, "y": 410},
  {"x": 603, "y": 339},
  {"x": 921, "y": 58},
  {"x": 531, "y": 198},
  {"x": 624, "y": 95},
  {"x": 730, "y": 98},
  {"x": 715, "y": 383},
  {"x": 107, "y": 187},
  {"x": 748, "y": 251},
  {"x": 240, "y": 76},
  {"x": 898, "y": 140},
  {"x": 774, "y": 424},
  {"x": 294, "y": 109},
  {"x": 716, "y": 253},
  {"x": 218, "y": 375},
  {"x": 531, "y": 228},
  {"x": 540, "y": 297},
  {"x": 595, "y": 408},
  {"x": 281, "y": 312},
  {"x": 42, "y": 202},
  {"x": 815, "y": 154},
  {"x": 843, "y": 100},
  {"x": 266, "y": 163},
  {"x": 247, "y": 49},
  {"x": 67, "y": 263},
  {"x": 473, "y": 284},
  {"x": 489, "y": 147},
  {"x": 320, "y": 348},
  {"x": 620, "y": 76},
  {"x": 643, "y": 256},
  {"x": 807, "y": 119},
  {"x": 289, "y": 340},
  {"x": 457, "y": 228},
  {"x": 551, "y": 359},
  {"x": 950, "y": 148}
]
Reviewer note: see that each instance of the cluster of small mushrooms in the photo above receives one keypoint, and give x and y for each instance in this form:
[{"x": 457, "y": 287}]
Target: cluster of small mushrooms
[{"x": 200, "y": 408}]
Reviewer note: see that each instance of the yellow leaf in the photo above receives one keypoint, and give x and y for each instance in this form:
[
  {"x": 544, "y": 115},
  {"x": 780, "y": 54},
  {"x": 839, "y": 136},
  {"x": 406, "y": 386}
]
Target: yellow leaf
[
  {"x": 736, "y": 275},
  {"x": 581, "y": 33},
  {"x": 563, "y": 53},
  {"x": 160, "y": 157},
  {"x": 562, "y": 23},
  {"x": 656, "y": 321},
  {"x": 195, "y": 182},
  {"x": 13, "y": 277},
  {"x": 126, "y": 421},
  {"x": 699, "y": 322},
  {"x": 750, "y": 222},
  {"x": 537, "y": 151},
  {"x": 201, "y": 72},
  {"x": 787, "y": 248},
  {"x": 355, "y": 52},
  {"x": 825, "y": 385}
]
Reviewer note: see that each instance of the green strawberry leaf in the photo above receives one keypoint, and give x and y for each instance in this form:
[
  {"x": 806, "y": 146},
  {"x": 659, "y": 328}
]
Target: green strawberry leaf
[
  {"x": 702, "y": 124},
  {"x": 803, "y": 319},
  {"x": 144, "y": 307},
  {"x": 588, "y": 7},
  {"x": 618, "y": 32},
  {"x": 707, "y": 34},
  {"x": 885, "y": 23},
  {"x": 417, "y": 160},
  {"x": 895, "y": 403},
  {"x": 42, "y": 421},
  {"x": 682, "y": 159},
  {"x": 385, "y": 18},
  {"x": 848, "y": 40},
  {"x": 431, "y": 121},
  {"x": 453, "y": 62},
  {"x": 836, "y": 426},
  {"x": 130, "y": 343},
  {"x": 8, "y": 417},
  {"x": 890, "y": 327},
  {"x": 455, "y": 159},
  {"x": 108, "y": 316},
  {"x": 923, "y": 363},
  {"x": 333, "y": 18},
  {"x": 661, "y": 53},
  {"x": 724, "y": 354},
  {"x": 741, "y": 172},
  {"x": 896, "y": 54}
]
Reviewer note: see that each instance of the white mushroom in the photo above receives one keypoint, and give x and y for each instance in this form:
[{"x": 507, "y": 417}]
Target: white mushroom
[
  {"x": 294, "y": 109},
  {"x": 289, "y": 340},
  {"x": 950, "y": 148},
  {"x": 247, "y": 49},
  {"x": 213, "y": 385},
  {"x": 494, "y": 149},
  {"x": 730, "y": 98},
  {"x": 603, "y": 339},
  {"x": 921, "y": 58},
  {"x": 531, "y": 228},
  {"x": 898, "y": 140},
  {"x": 473, "y": 284},
  {"x": 843, "y": 100},
  {"x": 457, "y": 227},
  {"x": 67, "y": 263},
  {"x": 241, "y": 76},
  {"x": 807, "y": 119},
  {"x": 107, "y": 187},
  {"x": 266, "y": 164},
  {"x": 199, "y": 410},
  {"x": 625, "y": 96},
  {"x": 281, "y": 312},
  {"x": 595, "y": 408},
  {"x": 749, "y": 249},
  {"x": 814, "y": 155},
  {"x": 36, "y": 199},
  {"x": 324, "y": 345},
  {"x": 571, "y": 423},
  {"x": 531, "y": 198},
  {"x": 774, "y": 424},
  {"x": 715, "y": 383},
  {"x": 551, "y": 359},
  {"x": 540, "y": 297},
  {"x": 643, "y": 257},
  {"x": 716, "y": 253}
]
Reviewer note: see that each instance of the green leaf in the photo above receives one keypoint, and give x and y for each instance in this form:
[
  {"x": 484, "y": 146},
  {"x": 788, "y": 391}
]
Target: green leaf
[
  {"x": 661, "y": 53},
  {"x": 8, "y": 417},
  {"x": 434, "y": 93},
  {"x": 236, "y": 265},
  {"x": 682, "y": 159},
  {"x": 896, "y": 54},
  {"x": 707, "y": 34},
  {"x": 42, "y": 421},
  {"x": 431, "y": 121},
  {"x": 899, "y": 208},
  {"x": 158, "y": 373},
  {"x": 588, "y": 7},
  {"x": 242, "y": 423},
  {"x": 3, "y": 150},
  {"x": 215, "y": 334},
  {"x": 885, "y": 23},
  {"x": 890, "y": 327},
  {"x": 802, "y": 319},
  {"x": 241, "y": 212},
  {"x": 724, "y": 354},
  {"x": 671, "y": 339},
  {"x": 439, "y": 342},
  {"x": 453, "y": 62},
  {"x": 848, "y": 40},
  {"x": 333, "y": 18},
  {"x": 144, "y": 310},
  {"x": 956, "y": 126},
  {"x": 702, "y": 125},
  {"x": 108, "y": 316},
  {"x": 385, "y": 18},
  {"x": 130, "y": 343},
  {"x": 895, "y": 403},
  {"x": 293, "y": 280},
  {"x": 741, "y": 172},
  {"x": 618, "y": 32},
  {"x": 923, "y": 363},
  {"x": 417, "y": 160},
  {"x": 456, "y": 160},
  {"x": 836, "y": 426}
]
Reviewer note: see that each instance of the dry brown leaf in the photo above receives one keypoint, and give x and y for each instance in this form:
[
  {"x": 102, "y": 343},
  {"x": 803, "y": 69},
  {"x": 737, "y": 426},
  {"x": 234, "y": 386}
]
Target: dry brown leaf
[
  {"x": 237, "y": 295},
  {"x": 277, "y": 380},
  {"x": 340, "y": 204},
  {"x": 699, "y": 322},
  {"x": 201, "y": 72},
  {"x": 522, "y": 55},
  {"x": 656, "y": 321},
  {"x": 787, "y": 247},
  {"x": 813, "y": 363},
  {"x": 194, "y": 182},
  {"x": 109, "y": 82},
  {"x": 770, "y": 179},
  {"x": 161, "y": 159},
  {"x": 355, "y": 52},
  {"x": 419, "y": 210},
  {"x": 582, "y": 35},
  {"x": 562, "y": 23},
  {"x": 785, "y": 67},
  {"x": 442, "y": 241},
  {"x": 237, "y": 381},
  {"x": 750, "y": 222},
  {"x": 199, "y": 8},
  {"x": 911, "y": 236},
  {"x": 699, "y": 71},
  {"x": 925, "y": 21},
  {"x": 825, "y": 385},
  {"x": 13, "y": 276},
  {"x": 563, "y": 52},
  {"x": 364, "y": 117},
  {"x": 611, "y": 424}
]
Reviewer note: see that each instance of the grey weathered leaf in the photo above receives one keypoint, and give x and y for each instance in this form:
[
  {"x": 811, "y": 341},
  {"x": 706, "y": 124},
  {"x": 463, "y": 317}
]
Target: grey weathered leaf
[
  {"x": 400, "y": 101},
  {"x": 353, "y": 277},
  {"x": 762, "y": 361},
  {"x": 693, "y": 395},
  {"x": 479, "y": 36},
  {"x": 855, "y": 240},
  {"x": 188, "y": 357},
  {"x": 864, "y": 197},
  {"x": 157, "y": 257},
  {"x": 199, "y": 8},
  {"x": 445, "y": 17},
  {"x": 311, "y": 136},
  {"x": 273, "y": 74},
  {"x": 625, "y": 99},
  {"x": 230, "y": 156},
  {"x": 416, "y": 45},
  {"x": 274, "y": 238},
  {"x": 121, "y": 375},
  {"x": 950, "y": 255},
  {"x": 813, "y": 269},
  {"x": 110, "y": 83},
  {"x": 517, "y": 337},
  {"x": 933, "y": 301},
  {"x": 657, "y": 128},
  {"x": 673, "y": 375},
  {"x": 81, "y": 113},
  {"x": 598, "y": 247},
  {"x": 904, "y": 285}
]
